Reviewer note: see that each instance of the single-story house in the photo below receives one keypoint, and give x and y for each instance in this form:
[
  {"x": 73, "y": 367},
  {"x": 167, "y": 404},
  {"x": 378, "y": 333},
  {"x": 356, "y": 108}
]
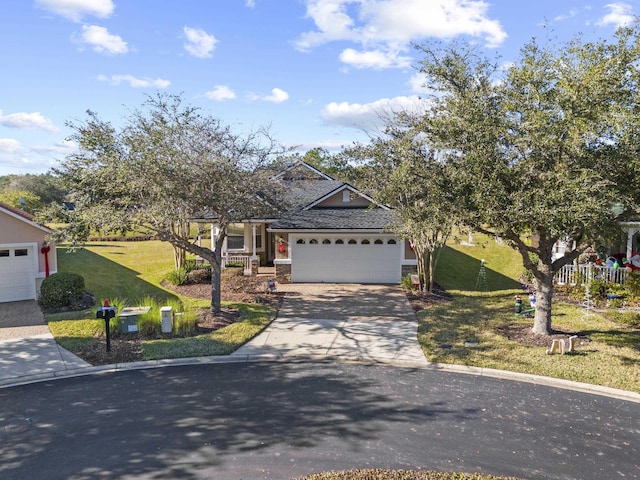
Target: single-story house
[
  {"x": 25, "y": 256},
  {"x": 330, "y": 232}
]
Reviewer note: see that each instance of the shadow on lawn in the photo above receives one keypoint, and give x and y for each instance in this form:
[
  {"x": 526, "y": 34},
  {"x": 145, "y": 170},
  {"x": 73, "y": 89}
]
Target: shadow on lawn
[
  {"x": 457, "y": 270},
  {"x": 105, "y": 278}
]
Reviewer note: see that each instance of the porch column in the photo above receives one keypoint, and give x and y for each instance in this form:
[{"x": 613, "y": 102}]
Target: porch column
[
  {"x": 630, "y": 233},
  {"x": 214, "y": 236},
  {"x": 254, "y": 255}
]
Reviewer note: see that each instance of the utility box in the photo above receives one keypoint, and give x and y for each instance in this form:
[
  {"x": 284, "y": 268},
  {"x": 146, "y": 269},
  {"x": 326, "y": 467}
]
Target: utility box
[
  {"x": 166, "y": 319},
  {"x": 128, "y": 318}
]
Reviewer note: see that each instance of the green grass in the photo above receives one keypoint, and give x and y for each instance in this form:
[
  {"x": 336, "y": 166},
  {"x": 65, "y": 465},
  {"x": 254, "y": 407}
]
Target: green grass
[
  {"x": 612, "y": 358},
  {"x": 127, "y": 270},
  {"x": 131, "y": 273},
  {"x": 253, "y": 319}
]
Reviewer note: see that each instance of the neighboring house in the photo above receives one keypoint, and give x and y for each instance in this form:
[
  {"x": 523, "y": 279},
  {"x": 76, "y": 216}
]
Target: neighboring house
[
  {"x": 23, "y": 263},
  {"x": 330, "y": 233}
]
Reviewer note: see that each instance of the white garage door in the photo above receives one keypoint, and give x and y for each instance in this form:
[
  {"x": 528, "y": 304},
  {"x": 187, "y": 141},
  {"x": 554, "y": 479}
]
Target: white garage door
[
  {"x": 17, "y": 273},
  {"x": 345, "y": 259}
]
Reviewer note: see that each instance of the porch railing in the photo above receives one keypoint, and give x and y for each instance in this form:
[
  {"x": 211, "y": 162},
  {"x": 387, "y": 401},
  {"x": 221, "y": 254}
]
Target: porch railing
[
  {"x": 237, "y": 259},
  {"x": 574, "y": 275}
]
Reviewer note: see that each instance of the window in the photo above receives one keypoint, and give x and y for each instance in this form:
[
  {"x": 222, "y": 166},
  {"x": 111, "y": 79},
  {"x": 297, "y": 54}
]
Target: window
[
  {"x": 339, "y": 241},
  {"x": 313, "y": 241},
  {"x": 391, "y": 241},
  {"x": 4, "y": 253},
  {"x": 326, "y": 241},
  {"x": 352, "y": 242},
  {"x": 346, "y": 196},
  {"x": 365, "y": 241},
  {"x": 21, "y": 252},
  {"x": 378, "y": 241},
  {"x": 300, "y": 241},
  {"x": 235, "y": 237}
]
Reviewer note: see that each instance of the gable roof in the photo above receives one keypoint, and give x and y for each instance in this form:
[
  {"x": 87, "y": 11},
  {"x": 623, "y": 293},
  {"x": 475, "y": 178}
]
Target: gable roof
[
  {"x": 305, "y": 172},
  {"x": 377, "y": 219},
  {"x": 342, "y": 187},
  {"x": 22, "y": 216}
]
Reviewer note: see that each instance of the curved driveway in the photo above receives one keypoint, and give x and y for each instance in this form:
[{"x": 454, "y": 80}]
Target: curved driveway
[{"x": 372, "y": 323}]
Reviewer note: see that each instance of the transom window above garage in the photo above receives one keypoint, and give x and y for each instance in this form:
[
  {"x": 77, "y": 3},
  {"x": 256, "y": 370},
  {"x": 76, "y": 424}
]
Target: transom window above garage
[{"x": 4, "y": 253}]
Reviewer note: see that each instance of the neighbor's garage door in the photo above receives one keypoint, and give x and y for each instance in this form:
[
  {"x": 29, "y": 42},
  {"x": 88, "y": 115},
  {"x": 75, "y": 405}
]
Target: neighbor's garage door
[
  {"x": 345, "y": 260},
  {"x": 17, "y": 274}
]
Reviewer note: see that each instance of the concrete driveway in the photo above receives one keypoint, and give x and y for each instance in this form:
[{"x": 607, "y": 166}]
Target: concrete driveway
[
  {"x": 27, "y": 348},
  {"x": 371, "y": 323}
]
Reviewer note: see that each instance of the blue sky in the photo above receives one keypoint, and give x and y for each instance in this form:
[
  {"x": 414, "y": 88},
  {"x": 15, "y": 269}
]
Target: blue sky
[{"x": 320, "y": 73}]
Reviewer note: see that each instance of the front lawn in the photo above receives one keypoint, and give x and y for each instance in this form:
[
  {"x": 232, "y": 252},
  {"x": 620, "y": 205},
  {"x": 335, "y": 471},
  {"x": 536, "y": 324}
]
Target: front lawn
[
  {"x": 132, "y": 273},
  {"x": 480, "y": 329}
]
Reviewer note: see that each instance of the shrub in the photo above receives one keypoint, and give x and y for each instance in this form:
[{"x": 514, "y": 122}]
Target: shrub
[
  {"x": 61, "y": 289},
  {"x": 201, "y": 275},
  {"x": 149, "y": 323},
  {"x": 633, "y": 283},
  {"x": 406, "y": 283},
  {"x": 185, "y": 323},
  {"x": 178, "y": 276}
]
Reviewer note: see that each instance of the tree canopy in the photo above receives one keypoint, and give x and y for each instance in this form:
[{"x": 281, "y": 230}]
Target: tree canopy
[
  {"x": 542, "y": 149},
  {"x": 167, "y": 165}
]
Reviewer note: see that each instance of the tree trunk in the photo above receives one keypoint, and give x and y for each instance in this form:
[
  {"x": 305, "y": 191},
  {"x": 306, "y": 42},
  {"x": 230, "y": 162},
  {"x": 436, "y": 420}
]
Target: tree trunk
[
  {"x": 544, "y": 294},
  {"x": 431, "y": 272},
  {"x": 216, "y": 282}
]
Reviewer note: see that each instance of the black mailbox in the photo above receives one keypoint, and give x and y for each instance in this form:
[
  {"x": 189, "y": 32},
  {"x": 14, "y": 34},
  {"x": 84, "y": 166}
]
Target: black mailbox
[{"x": 106, "y": 313}]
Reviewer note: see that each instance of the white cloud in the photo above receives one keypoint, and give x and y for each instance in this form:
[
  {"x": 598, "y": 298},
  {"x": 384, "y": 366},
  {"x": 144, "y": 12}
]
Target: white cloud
[
  {"x": 375, "y": 59},
  {"x": 417, "y": 83},
  {"x": 23, "y": 120},
  {"x": 250, "y": 3},
  {"x": 10, "y": 146},
  {"x": 389, "y": 26},
  {"x": 199, "y": 43},
  {"x": 277, "y": 96},
  {"x": 620, "y": 15},
  {"x": 63, "y": 147},
  {"x": 75, "y": 10},
  {"x": 134, "y": 81},
  {"x": 102, "y": 41},
  {"x": 220, "y": 93},
  {"x": 370, "y": 116}
]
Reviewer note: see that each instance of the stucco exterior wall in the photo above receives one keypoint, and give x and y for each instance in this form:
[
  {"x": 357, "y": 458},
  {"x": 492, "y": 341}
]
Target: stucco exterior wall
[{"x": 14, "y": 231}]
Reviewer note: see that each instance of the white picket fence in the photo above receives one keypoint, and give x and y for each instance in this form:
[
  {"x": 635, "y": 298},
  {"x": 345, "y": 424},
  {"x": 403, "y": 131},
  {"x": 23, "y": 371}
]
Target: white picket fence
[{"x": 572, "y": 275}]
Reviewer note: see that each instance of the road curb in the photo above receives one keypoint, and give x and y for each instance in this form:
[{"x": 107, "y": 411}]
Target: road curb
[{"x": 273, "y": 358}]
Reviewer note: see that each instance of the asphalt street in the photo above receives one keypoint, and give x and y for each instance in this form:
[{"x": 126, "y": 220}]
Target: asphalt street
[{"x": 282, "y": 420}]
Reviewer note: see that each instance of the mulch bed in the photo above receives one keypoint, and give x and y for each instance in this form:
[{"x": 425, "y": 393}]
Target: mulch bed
[{"x": 422, "y": 300}]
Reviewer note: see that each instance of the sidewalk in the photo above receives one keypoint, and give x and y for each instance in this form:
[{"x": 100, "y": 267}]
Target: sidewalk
[{"x": 27, "y": 349}]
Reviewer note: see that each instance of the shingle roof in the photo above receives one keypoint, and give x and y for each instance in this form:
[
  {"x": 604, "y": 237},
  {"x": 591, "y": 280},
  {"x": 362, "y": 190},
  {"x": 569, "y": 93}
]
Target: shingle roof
[
  {"x": 335, "y": 219},
  {"x": 303, "y": 192}
]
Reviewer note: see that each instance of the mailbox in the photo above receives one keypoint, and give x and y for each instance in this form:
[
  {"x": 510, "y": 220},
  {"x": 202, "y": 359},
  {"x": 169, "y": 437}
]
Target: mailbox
[{"x": 106, "y": 313}]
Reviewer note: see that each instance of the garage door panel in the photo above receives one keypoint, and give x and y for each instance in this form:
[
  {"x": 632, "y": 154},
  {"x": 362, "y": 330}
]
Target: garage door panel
[
  {"x": 17, "y": 274},
  {"x": 346, "y": 263}
]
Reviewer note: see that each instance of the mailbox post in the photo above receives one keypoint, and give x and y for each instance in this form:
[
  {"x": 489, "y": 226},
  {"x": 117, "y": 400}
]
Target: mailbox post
[{"x": 107, "y": 313}]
